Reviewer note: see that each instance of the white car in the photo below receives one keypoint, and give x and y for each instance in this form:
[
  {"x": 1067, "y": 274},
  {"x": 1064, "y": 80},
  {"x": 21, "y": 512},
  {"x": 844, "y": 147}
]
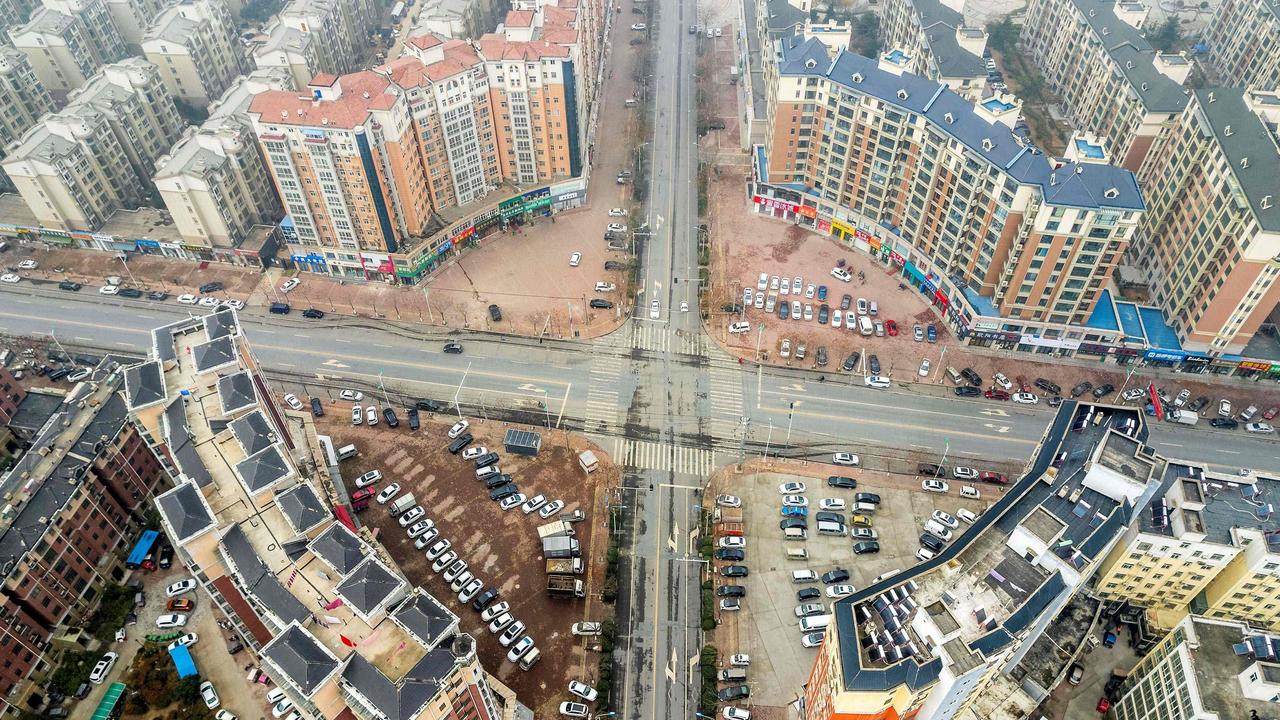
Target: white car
[
  {"x": 876, "y": 381},
  {"x": 499, "y": 622},
  {"x": 795, "y": 501},
  {"x": 924, "y": 368},
  {"x": 797, "y": 285},
  {"x": 171, "y": 621},
  {"x": 573, "y": 709},
  {"x": 412, "y": 515},
  {"x": 740, "y": 327},
  {"x": 966, "y": 515},
  {"x": 28, "y": 265},
  {"x": 740, "y": 660},
  {"x": 654, "y": 310},
  {"x": 233, "y": 303},
  {"x": 841, "y": 274},
  {"x": 684, "y": 306},
  {"x": 290, "y": 284},
  {"x": 773, "y": 282},
  {"x": 368, "y": 478},
  {"x": 515, "y": 630},
  {"x": 791, "y": 488},
  {"x": 945, "y": 519},
  {"x": 844, "y": 458},
  {"x": 939, "y": 531},
  {"x": 352, "y": 395},
  {"x": 934, "y": 485},
  {"x": 971, "y": 492},
  {"x": 575, "y": 259},
  {"x": 809, "y": 291},
  {"x": 1182, "y": 398},
  {"x": 511, "y": 501},
  {"x": 617, "y": 212},
  {"x": 185, "y": 640},
  {"x": 98, "y": 675},
  {"x": 281, "y": 708},
  {"x": 839, "y": 591},
  {"x": 582, "y": 690},
  {"x": 551, "y": 508},
  {"x": 617, "y": 227},
  {"x": 224, "y": 714},
  {"x": 732, "y": 501},
  {"x": 533, "y": 503},
  {"x": 437, "y": 551},
  {"x": 1132, "y": 394},
  {"x": 209, "y": 695},
  {"x": 292, "y": 401},
  {"x": 924, "y": 554},
  {"x": 472, "y": 453},
  {"x": 808, "y": 312},
  {"x": 763, "y": 283},
  {"x": 637, "y": 27},
  {"x": 357, "y": 414},
  {"x": 1259, "y": 427},
  {"x": 10, "y": 278},
  {"x": 188, "y": 299},
  {"x": 179, "y": 588},
  {"x": 494, "y": 611},
  {"x": 522, "y": 647},
  {"x": 811, "y": 640},
  {"x": 605, "y": 287},
  {"x": 732, "y": 541},
  {"x": 831, "y": 504},
  {"x": 1026, "y": 398},
  {"x": 387, "y": 493},
  {"x": 208, "y": 302},
  {"x": 786, "y": 287},
  {"x": 371, "y": 415},
  {"x": 444, "y": 561},
  {"x": 759, "y": 301},
  {"x": 1224, "y": 408},
  {"x": 470, "y": 590},
  {"x": 458, "y": 428},
  {"x": 1003, "y": 381},
  {"x": 964, "y": 473},
  {"x": 421, "y": 527},
  {"x": 428, "y": 537}
]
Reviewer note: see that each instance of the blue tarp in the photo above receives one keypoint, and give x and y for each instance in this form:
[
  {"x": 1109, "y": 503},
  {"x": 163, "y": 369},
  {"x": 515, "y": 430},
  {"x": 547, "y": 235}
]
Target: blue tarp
[
  {"x": 143, "y": 547},
  {"x": 182, "y": 661}
]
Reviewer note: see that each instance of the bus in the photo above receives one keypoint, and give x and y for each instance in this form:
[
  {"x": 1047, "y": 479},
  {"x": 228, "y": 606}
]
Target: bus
[{"x": 397, "y": 13}]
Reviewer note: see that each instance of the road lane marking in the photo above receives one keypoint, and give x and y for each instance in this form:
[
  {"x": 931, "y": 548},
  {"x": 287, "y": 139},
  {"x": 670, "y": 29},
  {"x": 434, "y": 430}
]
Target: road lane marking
[
  {"x": 858, "y": 403},
  {"x": 907, "y": 426}
]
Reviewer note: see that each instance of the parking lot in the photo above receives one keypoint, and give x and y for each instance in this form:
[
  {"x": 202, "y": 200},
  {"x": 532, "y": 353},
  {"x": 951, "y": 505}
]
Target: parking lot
[
  {"x": 767, "y": 627},
  {"x": 502, "y": 548}
]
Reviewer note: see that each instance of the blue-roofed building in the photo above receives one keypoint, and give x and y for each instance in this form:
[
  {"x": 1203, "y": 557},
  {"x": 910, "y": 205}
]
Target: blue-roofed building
[{"x": 931, "y": 38}]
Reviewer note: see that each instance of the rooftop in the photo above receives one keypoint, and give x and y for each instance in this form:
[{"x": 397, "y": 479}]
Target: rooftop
[
  {"x": 1220, "y": 670},
  {"x": 1132, "y": 56},
  {"x": 1250, "y": 148},
  {"x": 371, "y": 587},
  {"x": 940, "y": 23},
  {"x": 144, "y": 385},
  {"x": 302, "y": 658},
  {"x": 1201, "y": 501},
  {"x": 186, "y": 511},
  {"x": 302, "y": 507},
  {"x": 339, "y": 548}
]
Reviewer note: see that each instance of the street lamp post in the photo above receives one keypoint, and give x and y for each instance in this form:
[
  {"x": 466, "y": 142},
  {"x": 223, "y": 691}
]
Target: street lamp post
[
  {"x": 458, "y": 408},
  {"x": 791, "y": 408}
]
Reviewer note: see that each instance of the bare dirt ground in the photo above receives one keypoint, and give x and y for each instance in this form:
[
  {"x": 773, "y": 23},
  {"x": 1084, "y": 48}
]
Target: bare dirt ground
[{"x": 501, "y": 547}]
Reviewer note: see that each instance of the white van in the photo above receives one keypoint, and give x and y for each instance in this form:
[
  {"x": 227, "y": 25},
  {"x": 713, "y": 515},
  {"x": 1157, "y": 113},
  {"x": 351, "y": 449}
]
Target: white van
[
  {"x": 347, "y": 451},
  {"x": 815, "y": 623},
  {"x": 954, "y": 376},
  {"x": 828, "y": 527},
  {"x": 865, "y": 507},
  {"x": 864, "y": 326},
  {"x": 487, "y": 472},
  {"x": 797, "y": 554},
  {"x": 795, "y": 534},
  {"x": 803, "y": 576}
]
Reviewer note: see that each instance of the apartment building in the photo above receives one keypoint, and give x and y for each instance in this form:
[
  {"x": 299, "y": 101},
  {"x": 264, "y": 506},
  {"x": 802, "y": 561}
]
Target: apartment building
[
  {"x": 1109, "y": 80},
  {"x": 23, "y": 99},
  {"x": 97, "y": 155},
  {"x": 963, "y": 200},
  {"x": 71, "y": 502},
  {"x": 1211, "y": 236},
  {"x": 194, "y": 43},
  {"x": 310, "y": 37},
  {"x": 290, "y": 49},
  {"x": 930, "y": 642},
  {"x": 62, "y": 51},
  {"x": 132, "y": 18},
  {"x": 14, "y": 12},
  {"x": 1204, "y": 669},
  {"x": 1243, "y": 39},
  {"x": 929, "y": 38},
  {"x": 214, "y": 181},
  {"x": 1248, "y": 588},
  {"x": 334, "y": 624}
]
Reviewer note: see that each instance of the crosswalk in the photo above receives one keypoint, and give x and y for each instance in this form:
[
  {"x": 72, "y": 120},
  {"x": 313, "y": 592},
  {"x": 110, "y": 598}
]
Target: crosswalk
[
  {"x": 725, "y": 393},
  {"x": 602, "y": 393},
  {"x": 659, "y": 337},
  {"x": 645, "y": 455}
]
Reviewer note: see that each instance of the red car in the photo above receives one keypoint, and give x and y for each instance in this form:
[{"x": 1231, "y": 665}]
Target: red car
[
  {"x": 994, "y": 477},
  {"x": 1271, "y": 413},
  {"x": 996, "y": 394},
  {"x": 1103, "y": 705},
  {"x": 180, "y": 605},
  {"x": 891, "y": 327}
]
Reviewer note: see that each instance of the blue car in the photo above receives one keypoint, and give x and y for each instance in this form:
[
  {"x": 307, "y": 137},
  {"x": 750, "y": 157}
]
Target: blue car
[
  {"x": 932, "y": 333},
  {"x": 822, "y": 292},
  {"x": 792, "y": 511}
]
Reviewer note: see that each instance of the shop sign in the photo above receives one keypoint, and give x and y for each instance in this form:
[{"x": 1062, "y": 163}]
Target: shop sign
[
  {"x": 86, "y": 237},
  {"x": 837, "y": 225},
  {"x": 195, "y": 248},
  {"x": 468, "y": 232},
  {"x": 1096, "y": 349},
  {"x": 987, "y": 324},
  {"x": 824, "y": 226},
  {"x": 1069, "y": 343},
  {"x": 511, "y": 208},
  {"x": 806, "y": 211},
  {"x": 1259, "y": 366},
  {"x": 149, "y": 244},
  {"x": 1163, "y": 355},
  {"x": 571, "y": 195},
  {"x": 538, "y": 204},
  {"x": 6, "y": 227},
  {"x": 170, "y": 246},
  {"x": 986, "y": 335},
  {"x": 773, "y": 204},
  {"x": 897, "y": 259}
]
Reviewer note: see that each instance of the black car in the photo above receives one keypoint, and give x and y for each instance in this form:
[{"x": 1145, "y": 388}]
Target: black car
[
  {"x": 56, "y": 375},
  {"x": 788, "y": 523},
  {"x": 487, "y": 459},
  {"x": 317, "y": 408},
  {"x": 68, "y": 285},
  {"x": 931, "y": 541},
  {"x": 429, "y": 406},
  {"x": 414, "y": 422},
  {"x": 931, "y": 469},
  {"x": 166, "y": 557},
  {"x": 828, "y": 516},
  {"x": 1081, "y": 389},
  {"x": 88, "y": 360},
  {"x": 390, "y": 415},
  {"x": 1048, "y": 386},
  {"x": 831, "y": 577},
  {"x": 840, "y": 481},
  {"x": 731, "y": 591},
  {"x": 972, "y": 377},
  {"x": 614, "y": 265},
  {"x": 734, "y": 571},
  {"x": 807, "y": 594},
  {"x": 157, "y": 295},
  {"x": 850, "y": 362},
  {"x": 1055, "y": 401},
  {"x": 731, "y": 554},
  {"x": 737, "y": 692},
  {"x": 58, "y": 356},
  {"x": 845, "y": 301},
  {"x": 1103, "y": 390},
  {"x": 784, "y": 311},
  {"x": 824, "y": 314},
  {"x": 873, "y": 362},
  {"x": 601, "y": 304},
  {"x": 1225, "y": 423},
  {"x": 866, "y": 547},
  {"x": 967, "y": 391},
  {"x": 497, "y": 481},
  {"x": 1198, "y": 404},
  {"x": 484, "y": 599},
  {"x": 503, "y": 491},
  {"x": 460, "y": 442},
  {"x": 313, "y": 314},
  {"x": 130, "y": 293},
  {"x": 822, "y": 356},
  {"x": 495, "y": 313},
  {"x": 207, "y": 288},
  {"x": 866, "y": 497},
  {"x": 453, "y": 348}
]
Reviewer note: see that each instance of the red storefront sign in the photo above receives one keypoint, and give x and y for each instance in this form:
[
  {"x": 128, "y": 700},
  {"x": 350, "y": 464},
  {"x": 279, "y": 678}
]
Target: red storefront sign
[
  {"x": 775, "y": 204},
  {"x": 824, "y": 225},
  {"x": 940, "y": 300},
  {"x": 807, "y": 211},
  {"x": 897, "y": 259}
]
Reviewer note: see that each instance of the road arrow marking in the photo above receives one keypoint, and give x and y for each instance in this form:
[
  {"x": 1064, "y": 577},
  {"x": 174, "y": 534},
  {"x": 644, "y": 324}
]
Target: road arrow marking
[
  {"x": 334, "y": 364},
  {"x": 671, "y": 667},
  {"x": 530, "y": 387},
  {"x": 997, "y": 428},
  {"x": 995, "y": 412},
  {"x": 794, "y": 387}
]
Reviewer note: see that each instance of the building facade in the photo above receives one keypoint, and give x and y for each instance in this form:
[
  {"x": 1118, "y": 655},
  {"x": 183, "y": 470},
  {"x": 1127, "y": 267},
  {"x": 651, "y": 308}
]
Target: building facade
[
  {"x": 1109, "y": 80},
  {"x": 1211, "y": 237},
  {"x": 195, "y": 45},
  {"x": 1248, "y": 588},
  {"x": 929, "y": 38},
  {"x": 1243, "y": 38},
  {"x": 23, "y": 99}
]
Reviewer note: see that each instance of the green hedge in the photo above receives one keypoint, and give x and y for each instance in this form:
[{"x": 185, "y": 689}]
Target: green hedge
[
  {"x": 707, "y": 700},
  {"x": 708, "y": 607}
]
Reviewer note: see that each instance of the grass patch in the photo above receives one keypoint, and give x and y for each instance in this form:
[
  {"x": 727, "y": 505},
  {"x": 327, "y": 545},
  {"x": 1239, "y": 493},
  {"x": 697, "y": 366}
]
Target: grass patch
[
  {"x": 707, "y": 701},
  {"x": 116, "y": 603}
]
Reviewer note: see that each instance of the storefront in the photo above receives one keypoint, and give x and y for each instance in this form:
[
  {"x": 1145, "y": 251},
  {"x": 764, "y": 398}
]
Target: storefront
[
  {"x": 1159, "y": 357},
  {"x": 1252, "y": 369},
  {"x": 784, "y": 210}
]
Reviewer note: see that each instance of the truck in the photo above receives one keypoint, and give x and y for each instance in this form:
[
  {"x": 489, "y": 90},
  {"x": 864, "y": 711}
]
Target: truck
[
  {"x": 565, "y": 566},
  {"x": 402, "y": 503},
  {"x": 587, "y": 460},
  {"x": 397, "y": 13},
  {"x": 557, "y": 528},
  {"x": 555, "y": 548},
  {"x": 731, "y": 529},
  {"x": 1185, "y": 417},
  {"x": 728, "y": 515},
  {"x": 565, "y": 586}
]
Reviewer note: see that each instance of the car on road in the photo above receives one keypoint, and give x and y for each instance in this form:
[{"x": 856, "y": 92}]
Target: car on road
[
  {"x": 844, "y": 458},
  {"x": 1259, "y": 427},
  {"x": 1225, "y": 423},
  {"x": 996, "y": 394},
  {"x": 654, "y": 310},
  {"x": 1081, "y": 389},
  {"x": 638, "y": 26},
  {"x": 877, "y": 382},
  {"x": 967, "y": 391},
  {"x": 791, "y": 488},
  {"x": 838, "y": 575},
  {"x": 1026, "y": 398}
]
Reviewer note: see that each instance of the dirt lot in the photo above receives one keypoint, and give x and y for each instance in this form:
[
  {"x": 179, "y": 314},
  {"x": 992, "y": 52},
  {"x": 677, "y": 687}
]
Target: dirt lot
[
  {"x": 148, "y": 272},
  {"x": 767, "y": 627},
  {"x": 503, "y": 547}
]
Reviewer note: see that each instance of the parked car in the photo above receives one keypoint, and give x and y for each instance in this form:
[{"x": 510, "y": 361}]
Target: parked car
[
  {"x": 1103, "y": 390},
  {"x": 1081, "y": 389},
  {"x": 994, "y": 477},
  {"x": 844, "y": 458},
  {"x": 934, "y": 485},
  {"x": 841, "y": 481}
]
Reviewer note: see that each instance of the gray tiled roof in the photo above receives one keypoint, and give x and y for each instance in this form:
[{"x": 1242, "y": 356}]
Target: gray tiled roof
[
  {"x": 425, "y": 618},
  {"x": 302, "y": 507},
  {"x": 1074, "y": 184},
  {"x": 221, "y": 324},
  {"x": 370, "y": 586},
  {"x": 406, "y": 699},
  {"x": 339, "y": 548},
  {"x": 214, "y": 354},
  {"x": 144, "y": 385},
  {"x": 1251, "y": 139},
  {"x": 162, "y": 345},
  {"x": 1133, "y": 57},
  {"x": 263, "y": 469},
  {"x": 185, "y": 510},
  {"x": 257, "y": 580},
  {"x": 300, "y": 656},
  {"x": 939, "y": 24},
  {"x": 177, "y": 435},
  {"x": 253, "y": 431},
  {"x": 236, "y": 392}
]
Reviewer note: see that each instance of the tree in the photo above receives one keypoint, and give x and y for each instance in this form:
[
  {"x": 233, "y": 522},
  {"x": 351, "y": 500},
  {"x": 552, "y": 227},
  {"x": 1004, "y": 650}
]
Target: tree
[
  {"x": 1167, "y": 35},
  {"x": 259, "y": 11},
  {"x": 866, "y": 35},
  {"x": 1003, "y": 35}
]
